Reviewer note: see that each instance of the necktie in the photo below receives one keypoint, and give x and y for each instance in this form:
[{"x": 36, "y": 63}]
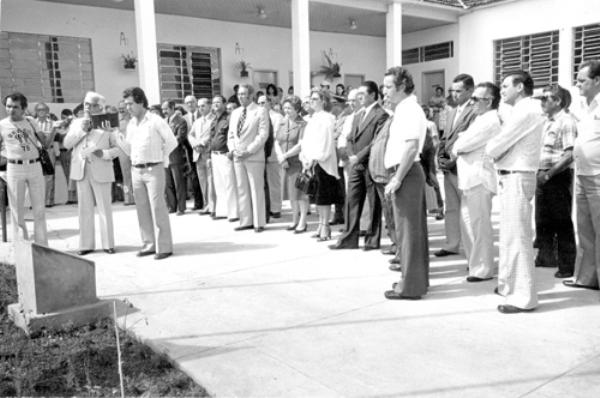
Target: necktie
[{"x": 241, "y": 122}]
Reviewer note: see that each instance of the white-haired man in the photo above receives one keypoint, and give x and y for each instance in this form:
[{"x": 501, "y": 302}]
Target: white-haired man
[{"x": 92, "y": 169}]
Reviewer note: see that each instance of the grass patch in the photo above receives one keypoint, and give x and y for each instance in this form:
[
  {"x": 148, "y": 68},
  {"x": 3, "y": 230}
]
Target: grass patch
[{"x": 80, "y": 361}]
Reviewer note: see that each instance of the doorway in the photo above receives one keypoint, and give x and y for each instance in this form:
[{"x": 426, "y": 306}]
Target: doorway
[{"x": 431, "y": 80}]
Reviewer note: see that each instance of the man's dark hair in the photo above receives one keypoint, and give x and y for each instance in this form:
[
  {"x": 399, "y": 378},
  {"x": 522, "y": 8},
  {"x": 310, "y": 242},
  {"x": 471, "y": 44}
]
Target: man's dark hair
[
  {"x": 180, "y": 108},
  {"x": 138, "y": 95},
  {"x": 522, "y": 77},
  {"x": 563, "y": 95},
  {"x": 16, "y": 97},
  {"x": 466, "y": 80},
  {"x": 371, "y": 87},
  {"x": 66, "y": 112},
  {"x": 594, "y": 65},
  {"x": 494, "y": 91},
  {"x": 401, "y": 76},
  {"x": 78, "y": 109},
  {"x": 171, "y": 104},
  {"x": 223, "y": 99},
  {"x": 156, "y": 108}
]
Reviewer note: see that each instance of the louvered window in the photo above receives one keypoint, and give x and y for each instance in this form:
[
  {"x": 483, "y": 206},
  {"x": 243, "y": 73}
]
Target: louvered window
[
  {"x": 428, "y": 53},
  {"x": 46, "y": 68},
  {"x": 536, "y": 54},
  {"x": 586, "y": 45},
  {"x": 186, "y": 70}
]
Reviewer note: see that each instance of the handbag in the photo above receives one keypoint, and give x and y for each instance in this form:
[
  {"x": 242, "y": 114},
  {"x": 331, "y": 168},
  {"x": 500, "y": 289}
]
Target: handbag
[
  {"x": 47, "y": 166},
  {"x": 306, "y": 182}
]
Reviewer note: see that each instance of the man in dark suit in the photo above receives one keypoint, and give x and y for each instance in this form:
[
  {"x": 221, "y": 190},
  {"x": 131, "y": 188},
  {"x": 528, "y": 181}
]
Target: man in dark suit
[
  {"x": 366, "y": 125},
  {"x": 176, "y": 187},
  {"x": 457, "y": 121}
]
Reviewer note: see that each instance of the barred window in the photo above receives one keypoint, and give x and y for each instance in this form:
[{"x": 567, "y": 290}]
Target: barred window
[
  {"x": 46, "y": 68},
  {"x": 428, "y": 53},
  {"x": 586, "y": 44},
  {"x": 536, "y": 54},
  {"x": 186, "y": 70}
]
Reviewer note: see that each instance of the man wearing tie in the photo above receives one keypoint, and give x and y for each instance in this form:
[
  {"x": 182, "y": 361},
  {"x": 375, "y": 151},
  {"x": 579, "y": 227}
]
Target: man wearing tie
[
  {"x": 248, "y": 132},
  {"x": 366, "y": 125},
  {"x": 458, "y": 120},
  {"x": 92, "y": 169}
]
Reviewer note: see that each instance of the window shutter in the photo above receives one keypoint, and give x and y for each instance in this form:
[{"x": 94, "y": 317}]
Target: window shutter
[
  {"x": 428, "y": 53},
  {"x": 586, "y": 45}
]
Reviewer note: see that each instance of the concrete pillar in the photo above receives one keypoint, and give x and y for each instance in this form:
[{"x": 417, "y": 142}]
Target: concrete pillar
[
  {"x": 565, "y": 56},
  {"x": 301, "y": 47},
  {"x": 145, "y": 30},
  {"x": 393, "y": 35}
]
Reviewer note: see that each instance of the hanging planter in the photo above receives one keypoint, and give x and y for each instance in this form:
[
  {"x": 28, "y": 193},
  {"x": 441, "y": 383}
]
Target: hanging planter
[
  {"x": 243, "y": 66},
  {"x": 331, "y": 69},
  {"x": 129, "y": 61}
]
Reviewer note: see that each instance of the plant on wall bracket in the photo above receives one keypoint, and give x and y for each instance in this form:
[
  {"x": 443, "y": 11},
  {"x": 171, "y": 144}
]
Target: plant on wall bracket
[
  {"x": 330, "y": 69},
  {"x": 129, "y": 61},
  {"x": 243, "y": 66}
]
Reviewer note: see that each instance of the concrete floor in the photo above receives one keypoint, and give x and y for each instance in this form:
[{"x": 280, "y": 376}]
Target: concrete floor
[{"x": 277, "y": 314}]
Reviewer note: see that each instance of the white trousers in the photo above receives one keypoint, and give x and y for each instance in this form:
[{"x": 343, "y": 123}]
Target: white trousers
[
  {"x": 478, "y": 236},
  {"x": 452, "y": 222},
  {"x": 250, "y": 179},
  {"x": 516, "y": 280},
  {"x": 274, "y": 172},
  {"x": 225, "y": 186},
  {"x": 88, "y": 191}
]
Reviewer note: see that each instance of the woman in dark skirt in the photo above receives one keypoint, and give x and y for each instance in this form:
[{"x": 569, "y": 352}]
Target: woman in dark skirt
[{"x": 317, "y": 153}]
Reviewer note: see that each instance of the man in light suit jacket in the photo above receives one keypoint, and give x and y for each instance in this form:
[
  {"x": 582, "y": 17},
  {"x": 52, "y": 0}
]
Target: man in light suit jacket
[
  {"x": 366, "y": 125},
  {"x": 458, "y": 120},
  {"x": 92, "y": 169},
  {"x": 248, "y": 132}
]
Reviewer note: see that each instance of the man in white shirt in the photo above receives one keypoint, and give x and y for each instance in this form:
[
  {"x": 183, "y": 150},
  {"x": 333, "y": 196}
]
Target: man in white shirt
[
  {"x": 587, "y": 187},
  {"x": 477, "y": 182},
  {"x": 407, "y": 186},
  {"x": 199, "y": 139},
  {"x": 516, "y": 153},
  {"x": 149, "y": 142}
]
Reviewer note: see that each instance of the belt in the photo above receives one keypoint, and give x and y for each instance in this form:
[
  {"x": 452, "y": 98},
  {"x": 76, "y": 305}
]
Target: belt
[
  {"x": 218, "y": 152},
  {"x": 505, "y": 172},
  {"x": 25, "y": 161},
  {"x": 145, "y": 165}
]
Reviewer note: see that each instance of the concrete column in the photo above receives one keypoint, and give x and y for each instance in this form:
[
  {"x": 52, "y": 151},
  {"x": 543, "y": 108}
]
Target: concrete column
[
  {"x": 393, "y": 35},
  {"x": 301, "y": 47},
  {"x": 565, "y": 56},
  {"x": 145, "y": 30}
]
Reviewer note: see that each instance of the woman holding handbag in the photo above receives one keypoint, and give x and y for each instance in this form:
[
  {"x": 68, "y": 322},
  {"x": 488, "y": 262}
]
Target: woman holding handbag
[
  {"x": 21, "y": 145},
  {"x": 287, "y": 147},
  {"x": 317, "y": 152}
]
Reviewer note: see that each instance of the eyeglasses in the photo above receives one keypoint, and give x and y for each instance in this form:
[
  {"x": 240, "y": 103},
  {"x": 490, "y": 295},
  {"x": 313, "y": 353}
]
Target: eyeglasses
[
  {"x": 545, "y": 98},
  {"x": 262, "y": 103},
  {"x": 477, "y": 99}
]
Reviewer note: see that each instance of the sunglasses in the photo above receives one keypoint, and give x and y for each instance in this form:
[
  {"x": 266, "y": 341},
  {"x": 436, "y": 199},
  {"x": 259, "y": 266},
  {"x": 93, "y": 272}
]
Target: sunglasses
[{"x": 477, "y": 99}]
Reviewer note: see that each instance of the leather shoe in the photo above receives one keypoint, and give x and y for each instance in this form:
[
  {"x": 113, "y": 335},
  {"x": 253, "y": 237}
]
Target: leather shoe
[
  {"x": 394, "y": 260},
  {"x": 218, "y": 218},
  {"x": 143, "y": 253},
  {"x": 276, "y": 214},
  {"x": 571, "y": 283},
  {"x": 259, "y": 229},
  {"x": 511, "y": 309},
  {"x": 392, "y": 295},
  {"x": 339, "y": 246},
  {"x": 395, "y": 268},
  {"x": 84, "y": 252},
  {"x": 389, "y": 252},
  {"x": 369, "y": 248},
  {"x": 160, "y": 256},
  {"x": 443, "y": 253},
  {"x": 336, "y": 221},
  {"x": 109, "y": 251},
  {"x": 563, "y": 274},
  {"x": 204, "y": 212},
  {"x": 234, "y": 219},
  {"x": 477, "y": 279},
  {"x": 243, "y": 228}
]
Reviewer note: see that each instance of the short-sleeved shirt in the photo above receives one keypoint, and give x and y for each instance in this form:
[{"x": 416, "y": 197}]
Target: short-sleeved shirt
[
  {"x": 17, "y": 139},
  {"x": 587, "y": 144},
  {"x": 560, "y": 132},
  {"x": 409, "y": 124}
]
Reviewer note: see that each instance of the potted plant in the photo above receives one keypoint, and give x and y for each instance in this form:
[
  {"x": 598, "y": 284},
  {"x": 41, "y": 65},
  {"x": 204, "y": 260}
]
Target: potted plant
[
  {"x": 243, "y": 66},
  {"x": 331, "y": 69},
  {"x": 129, "y": 61}
]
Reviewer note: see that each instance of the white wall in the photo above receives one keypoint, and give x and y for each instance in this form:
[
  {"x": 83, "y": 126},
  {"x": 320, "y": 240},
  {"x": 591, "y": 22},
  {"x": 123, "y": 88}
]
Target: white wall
[
  {"x": 479, "y": 29},
  {"x": 264, "y": 47}
]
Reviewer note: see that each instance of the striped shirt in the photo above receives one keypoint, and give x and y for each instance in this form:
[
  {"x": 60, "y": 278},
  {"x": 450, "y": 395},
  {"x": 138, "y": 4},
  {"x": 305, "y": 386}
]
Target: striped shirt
[{"x": 560, "y": 132}]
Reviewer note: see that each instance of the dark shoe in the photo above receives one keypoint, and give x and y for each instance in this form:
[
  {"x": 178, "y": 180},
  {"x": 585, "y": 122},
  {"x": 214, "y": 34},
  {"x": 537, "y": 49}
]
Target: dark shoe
[
  {"x": 244, "y": 228},
  {"x": 541, "y": 264},
  {"x": 369, "y": 248},
  {"x": 204, "y": 212},
  {"x": 395, "y": 260},
  {"x": 476, "y": 279},
  {"x": 276, "y": 215},
  {"x": 172, "y": 211},
  {"x": 389, "y": 252},
  {"x": 219, "y": 218},
  {"x": 395, "y": 268},
  {"x": 362, "y": 232},
  {"x": 180, "y": 213},
  {"x": 143, "y": 253},
  {"x": 440, "y": 216},
  {"x": 291, "y": 227},
  {"x": 259, "y": 229},
  {"x": 48, "y": 206},
  {"x": 301, "y": 231},
  {"x": 196, "y": 208},
  {"x": 563, "y": 274},
  {"x": 336, "y": 221},
  {"x": 234, "y": 219},
  {"x": 571, "y": 283},
  {"x": 109, "y": 251},
  {"x": 84, "y": 252},
  {"x": 511, "y": 309},
  {"x": 392, "y": 295},
  {"x": 339, "y": 246},
  {"x": 443, "y": 253},
  {"x": 160, "y": 256},
  {"x": 128, "y": 203},
  {"x": 72, "y": 202}
]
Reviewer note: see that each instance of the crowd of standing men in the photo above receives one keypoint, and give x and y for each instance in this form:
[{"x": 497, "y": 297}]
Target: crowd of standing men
[{"x": 374, "y": 144}]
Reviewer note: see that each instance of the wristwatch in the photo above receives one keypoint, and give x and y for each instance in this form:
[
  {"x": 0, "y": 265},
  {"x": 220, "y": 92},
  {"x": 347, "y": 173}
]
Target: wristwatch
[{"x": 546, "y": 176}]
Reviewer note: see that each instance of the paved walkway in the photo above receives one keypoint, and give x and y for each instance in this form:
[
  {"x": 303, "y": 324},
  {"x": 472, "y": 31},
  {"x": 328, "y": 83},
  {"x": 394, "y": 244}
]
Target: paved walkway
[{"x": 277, "y": 314}]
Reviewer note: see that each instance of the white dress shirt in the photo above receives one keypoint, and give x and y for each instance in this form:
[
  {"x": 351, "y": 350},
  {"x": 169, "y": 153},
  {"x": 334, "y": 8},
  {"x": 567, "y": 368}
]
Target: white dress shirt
[
  {"x": 409, "y": 124},
  {"x": 587, "y": 144},
  {"x": 517, "y": 146},
  {"x": 474, "y": 166},
  {"x": 150, "y": 141}
]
